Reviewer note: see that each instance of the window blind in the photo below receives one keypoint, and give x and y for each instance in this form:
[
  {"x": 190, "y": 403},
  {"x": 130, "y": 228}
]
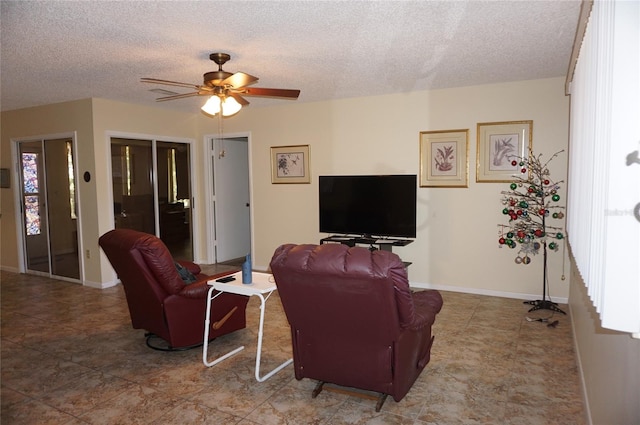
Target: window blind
[{"x": 603, "y": 206}]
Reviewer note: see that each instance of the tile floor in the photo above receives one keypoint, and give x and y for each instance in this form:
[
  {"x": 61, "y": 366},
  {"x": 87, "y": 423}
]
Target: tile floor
[{"x": 70, "y": 356}]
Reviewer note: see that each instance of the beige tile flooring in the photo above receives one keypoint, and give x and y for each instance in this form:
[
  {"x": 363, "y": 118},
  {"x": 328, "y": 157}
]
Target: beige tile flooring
[{"x": 70, "y": 356}]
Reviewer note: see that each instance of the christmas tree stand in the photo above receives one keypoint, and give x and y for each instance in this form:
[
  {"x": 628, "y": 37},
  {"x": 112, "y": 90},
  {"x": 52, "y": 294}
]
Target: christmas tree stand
[{"x": 544, "y": 304}]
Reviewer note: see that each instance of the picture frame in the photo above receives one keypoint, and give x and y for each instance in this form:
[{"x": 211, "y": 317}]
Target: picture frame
[
  {"x": 499, "y": 144},
  {"x": 290, "y": 164},
  {"x": 444, "y": 158}
]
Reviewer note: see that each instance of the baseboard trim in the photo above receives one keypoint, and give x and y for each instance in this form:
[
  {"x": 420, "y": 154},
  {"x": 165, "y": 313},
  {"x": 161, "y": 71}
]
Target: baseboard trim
[
  {"x": 488, "y": 292},
  {"x": 9, "y": 269}
]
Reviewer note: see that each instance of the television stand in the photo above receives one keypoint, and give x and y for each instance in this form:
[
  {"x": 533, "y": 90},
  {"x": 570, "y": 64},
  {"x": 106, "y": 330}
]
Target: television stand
[{"x": 383, "y": 244}]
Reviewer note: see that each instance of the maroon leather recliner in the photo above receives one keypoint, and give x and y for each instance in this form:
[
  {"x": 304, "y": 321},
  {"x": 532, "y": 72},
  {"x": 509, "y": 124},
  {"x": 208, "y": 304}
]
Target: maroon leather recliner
[
  {"x": 354, "y": 321},
  {"x": 159, "y": 300}
]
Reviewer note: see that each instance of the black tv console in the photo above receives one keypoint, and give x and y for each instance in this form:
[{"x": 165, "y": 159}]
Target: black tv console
[{"x": 384, "y": 244}]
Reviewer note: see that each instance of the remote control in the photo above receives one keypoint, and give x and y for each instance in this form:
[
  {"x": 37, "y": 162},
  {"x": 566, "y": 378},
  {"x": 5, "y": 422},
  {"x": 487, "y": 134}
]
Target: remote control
[{"x": 226, "y": 279}]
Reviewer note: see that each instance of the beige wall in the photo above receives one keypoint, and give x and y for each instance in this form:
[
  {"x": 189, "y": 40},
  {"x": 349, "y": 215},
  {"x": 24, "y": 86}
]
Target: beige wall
[
  {"x": 36, "y": 122},
  {"x": 456, "y": 247},
  {"x": 609, "y": 362}
]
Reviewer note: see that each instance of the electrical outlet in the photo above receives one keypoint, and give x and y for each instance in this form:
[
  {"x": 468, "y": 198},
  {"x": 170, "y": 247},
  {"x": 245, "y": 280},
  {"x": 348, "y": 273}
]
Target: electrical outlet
[{"x": 88, "y": 254}]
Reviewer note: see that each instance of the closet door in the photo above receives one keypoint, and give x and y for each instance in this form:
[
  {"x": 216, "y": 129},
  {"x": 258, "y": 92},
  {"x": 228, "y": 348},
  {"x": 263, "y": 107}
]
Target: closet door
[
  {"x": 174, "y": 197},
  {"x": 132, "y": 178},
  {"x": 151, "y": 183},
  {"x": 49, "y": 207}
]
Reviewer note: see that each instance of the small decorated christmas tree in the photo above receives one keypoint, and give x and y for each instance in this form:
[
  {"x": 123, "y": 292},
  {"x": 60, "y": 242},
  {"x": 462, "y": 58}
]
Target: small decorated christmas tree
[{"x": 530, "y": 203}]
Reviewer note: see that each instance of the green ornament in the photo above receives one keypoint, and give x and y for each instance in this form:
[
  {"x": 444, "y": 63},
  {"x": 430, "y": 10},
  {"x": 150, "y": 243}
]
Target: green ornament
[
  {"x": 559, "y": 236},
  {"x": 505, "y": 211},
  {"x": 556, "y": 198},
  {"x": 513, "y": 186},
  {"x": 510, "y": 235},
  {"x": 552, "y": 245},
  {"x": 524, "y": 204}
]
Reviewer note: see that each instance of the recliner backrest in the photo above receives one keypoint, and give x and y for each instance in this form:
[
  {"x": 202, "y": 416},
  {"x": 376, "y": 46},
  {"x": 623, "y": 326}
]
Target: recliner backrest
[{"x": 344, "y": 284}]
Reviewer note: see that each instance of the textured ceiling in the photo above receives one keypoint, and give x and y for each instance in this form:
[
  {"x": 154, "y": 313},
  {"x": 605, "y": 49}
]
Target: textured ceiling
[{"x": 54, "y": 51}]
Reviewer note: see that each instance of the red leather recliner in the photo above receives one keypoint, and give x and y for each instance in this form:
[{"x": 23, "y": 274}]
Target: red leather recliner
[
  {"x": 159, "y": 300},
  {"x": 354, "y": 321}
]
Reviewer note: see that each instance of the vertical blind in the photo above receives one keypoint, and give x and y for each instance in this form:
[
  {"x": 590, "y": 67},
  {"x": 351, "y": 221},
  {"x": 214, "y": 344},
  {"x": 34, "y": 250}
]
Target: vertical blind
[{"x": 603, "y": 207}]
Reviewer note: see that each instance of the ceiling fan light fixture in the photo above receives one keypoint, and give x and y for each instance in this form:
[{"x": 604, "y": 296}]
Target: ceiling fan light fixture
[
  {"x": 230, "y": 106},
  {"x": 212, "y": 106}
]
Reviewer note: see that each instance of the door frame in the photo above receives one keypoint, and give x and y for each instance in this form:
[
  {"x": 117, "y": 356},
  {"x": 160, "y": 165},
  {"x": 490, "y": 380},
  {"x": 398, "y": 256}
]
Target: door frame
[
  {"x": 19, "y": 214},
  {"x": 195, "y": 228},
  {"x": 208, "y": 187}
]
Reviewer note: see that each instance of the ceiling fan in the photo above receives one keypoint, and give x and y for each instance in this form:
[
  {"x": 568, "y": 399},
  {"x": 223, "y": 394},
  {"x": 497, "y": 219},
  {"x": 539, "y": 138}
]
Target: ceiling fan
[{"x": 226, "y": 89}]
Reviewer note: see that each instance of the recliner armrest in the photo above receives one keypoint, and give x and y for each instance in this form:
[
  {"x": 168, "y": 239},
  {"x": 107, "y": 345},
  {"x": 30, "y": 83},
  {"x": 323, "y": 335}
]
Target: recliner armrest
[
  {"x": 427, "y": 304},
  {"x": 197, "y": 289},
  {"x": 191, "y": 266}
]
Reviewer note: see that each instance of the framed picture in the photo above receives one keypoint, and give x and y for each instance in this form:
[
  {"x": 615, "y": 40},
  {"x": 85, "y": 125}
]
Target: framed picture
[
  {"x": 444, "y": 158},
  {"x": 499, "y": 145},
  {"x": 290, "y": 164}
]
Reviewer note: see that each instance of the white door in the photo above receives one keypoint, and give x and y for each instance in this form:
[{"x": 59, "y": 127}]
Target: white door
[{"x": 231, "y": 198}]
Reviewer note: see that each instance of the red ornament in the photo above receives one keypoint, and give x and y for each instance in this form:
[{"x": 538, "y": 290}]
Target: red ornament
[
  {"x": 538, "y": 232},
  {"x": 542, "y": 211},
  {"x": 501, "y": 241},
  {"x": 520, "y": 234},
  {"x": 514, "y": 163},
  {"x": 546, "y": 182},
  {"x": 524, "y": 170}
]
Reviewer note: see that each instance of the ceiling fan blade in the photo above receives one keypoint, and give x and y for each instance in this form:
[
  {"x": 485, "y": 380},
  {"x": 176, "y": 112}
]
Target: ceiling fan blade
[
  {"x": 241, "y": 100},
  {"x": 180, "y": 96},
  {"x": 258, "y": 91},
  {"x": 239, "y": 79},
  {"x": 170, "y": 83}
]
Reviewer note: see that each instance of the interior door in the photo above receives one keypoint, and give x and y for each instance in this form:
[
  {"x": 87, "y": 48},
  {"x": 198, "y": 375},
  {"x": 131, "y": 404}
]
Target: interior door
[
  {"x": 49, "y": 202},
  {"x": 230, "y": 161}
]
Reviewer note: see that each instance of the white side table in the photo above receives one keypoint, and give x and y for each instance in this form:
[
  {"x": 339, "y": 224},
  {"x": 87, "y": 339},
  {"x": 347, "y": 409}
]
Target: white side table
[{"x": 262, "y": 286}]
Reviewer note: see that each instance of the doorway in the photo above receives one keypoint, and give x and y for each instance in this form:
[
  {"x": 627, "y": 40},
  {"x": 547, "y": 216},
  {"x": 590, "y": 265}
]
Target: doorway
[
  {"x": 151, "y": 181},
  {"x": 231, "y": 213},
  {"x": 48, "y": 200}
]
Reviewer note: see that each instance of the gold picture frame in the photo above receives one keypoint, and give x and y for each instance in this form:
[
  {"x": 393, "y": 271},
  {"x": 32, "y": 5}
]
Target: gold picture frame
[
  {"x": 290, "y": 164},
  {"x": 499, "y": 145},
  {"x": 444, "y": 158}
]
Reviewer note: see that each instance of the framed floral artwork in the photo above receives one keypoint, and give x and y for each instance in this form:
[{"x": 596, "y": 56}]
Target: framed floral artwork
[
  {"x": 501, "y": 146},
  {"x": 290, "y": 164},
  {"x": 444, "y": 158}
]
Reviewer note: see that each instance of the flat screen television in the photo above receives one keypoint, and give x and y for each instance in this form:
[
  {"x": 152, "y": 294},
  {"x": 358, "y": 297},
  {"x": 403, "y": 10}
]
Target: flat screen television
[{"x": 370, "y": 206}]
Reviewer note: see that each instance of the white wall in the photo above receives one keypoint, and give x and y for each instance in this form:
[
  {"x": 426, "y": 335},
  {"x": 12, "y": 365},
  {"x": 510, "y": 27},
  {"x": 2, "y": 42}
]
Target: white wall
[{"x": 456, "y": 247}]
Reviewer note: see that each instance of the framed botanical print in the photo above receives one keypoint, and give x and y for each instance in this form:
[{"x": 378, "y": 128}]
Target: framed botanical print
[
  {"x": 501, "y": 147},
  {"x": 444, "y": 158}
]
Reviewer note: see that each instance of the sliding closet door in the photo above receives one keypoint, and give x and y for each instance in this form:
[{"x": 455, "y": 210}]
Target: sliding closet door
[
  {"x": 152, "y": 190},
  {"x": 132, "y": 179},
  {"x": 174, "y": 197},
  {"x": 49, "y": 207}
]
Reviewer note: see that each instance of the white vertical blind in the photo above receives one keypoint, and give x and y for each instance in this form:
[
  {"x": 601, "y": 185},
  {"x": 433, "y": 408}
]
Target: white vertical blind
[{"x": 604, "y": 190}]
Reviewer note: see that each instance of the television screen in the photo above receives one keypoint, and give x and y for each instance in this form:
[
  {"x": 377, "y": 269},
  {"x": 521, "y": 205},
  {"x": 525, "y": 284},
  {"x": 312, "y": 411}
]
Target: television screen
[{"x": 376, "y": 205}]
